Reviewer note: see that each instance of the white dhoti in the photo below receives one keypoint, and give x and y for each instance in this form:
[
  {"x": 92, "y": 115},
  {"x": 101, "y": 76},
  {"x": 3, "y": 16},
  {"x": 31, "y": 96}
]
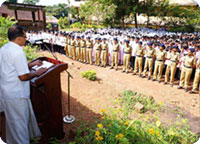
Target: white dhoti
[{"x": 21, "y": 123}]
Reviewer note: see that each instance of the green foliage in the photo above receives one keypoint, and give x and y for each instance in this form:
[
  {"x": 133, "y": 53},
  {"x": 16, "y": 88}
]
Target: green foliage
[
  {"x": 31, "y": 53},
  {"x": 181, "y": 19},
  {"x": 12, "y": 1},
  {"x": 115, "y": 128},
  {"x": 76, "y": 25},
  {"x": 74, "y": 12},
  {"x": 5, "y": 24},
  {"x": 63, "y": 22},
  {"x": 53, "y": 140},
  {"x": 60, "y": 10},
  {"x": 103, "y": 10},
  {"x": 49, "y": 26},
  {"x": 33, "y": 2},
  {"x": 129, "y": 99},
  {"x": 91, "y": 75}
]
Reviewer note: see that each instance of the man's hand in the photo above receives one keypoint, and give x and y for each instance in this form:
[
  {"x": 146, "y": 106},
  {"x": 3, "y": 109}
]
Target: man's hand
[
  {"x": 32, "y": 75},
  {"x": 37, "y": 62},
  {"x": 40, "y": 71}
]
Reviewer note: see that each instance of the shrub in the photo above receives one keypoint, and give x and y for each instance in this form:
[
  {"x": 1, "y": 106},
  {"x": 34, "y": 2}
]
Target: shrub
[
  {"x": 31, "y": 53},
  {"x": 91, "y": 75},
  {"x": 49, "y": 26},
  {"x": 5, "y": 24},
  {"x": 63, "y": 22},
  {"x": 114, "y": 128}
]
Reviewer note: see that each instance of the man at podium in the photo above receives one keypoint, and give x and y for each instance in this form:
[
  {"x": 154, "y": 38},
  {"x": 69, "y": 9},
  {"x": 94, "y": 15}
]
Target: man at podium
[{"x": 15, "y": 101}]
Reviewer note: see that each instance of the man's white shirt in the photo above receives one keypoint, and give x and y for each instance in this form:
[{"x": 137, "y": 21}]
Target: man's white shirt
[{"x": 13, "y": 63}]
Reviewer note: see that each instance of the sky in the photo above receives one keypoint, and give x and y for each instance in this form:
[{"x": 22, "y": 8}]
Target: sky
[{"x": 48, "y": 2}]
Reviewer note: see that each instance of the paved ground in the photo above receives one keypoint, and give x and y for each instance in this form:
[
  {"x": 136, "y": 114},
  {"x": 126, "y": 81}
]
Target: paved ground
[{"x": 88, "y": 98}]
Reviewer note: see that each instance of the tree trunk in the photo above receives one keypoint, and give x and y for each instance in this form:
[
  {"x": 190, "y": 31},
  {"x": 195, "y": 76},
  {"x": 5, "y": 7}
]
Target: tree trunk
[
  {"x": 123, "y": 22},
  {"x": 147, "y": 21},
  {"x": 135, "y": 16}
]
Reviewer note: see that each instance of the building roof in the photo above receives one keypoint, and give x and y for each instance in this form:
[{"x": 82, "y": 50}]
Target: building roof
[
  {"x": 19, "y": 6},
  {"x": 51, "y": 19}
]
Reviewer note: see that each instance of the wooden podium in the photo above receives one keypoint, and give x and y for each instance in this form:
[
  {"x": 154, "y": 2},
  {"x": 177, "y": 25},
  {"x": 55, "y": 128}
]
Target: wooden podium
[{"x": 46, "y": 99}]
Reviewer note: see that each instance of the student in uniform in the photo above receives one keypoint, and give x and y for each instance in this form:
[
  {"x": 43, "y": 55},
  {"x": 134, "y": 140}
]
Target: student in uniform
[
  {"x": 78, "y": 46},
  {"x": 159, "y": 64},
  {"x": 139, "y": 59},
  {"x": 104, "y": 53},
  {"x": 83, "y": 50},
  {"x": 127, "y": 55},
  {"x": 115, "y": 54},
  {"x": 72, "y": 48},
  {"x": 150, "y": 53},
  {"x": 186, "y": 71},
  {"x": 171, "y": 66},
  {"x": 89, "y": 51},
  {"x": 196, "y": 78},
  {"x": 66, "y": 46},
  {"x": 98, "y": 52}
]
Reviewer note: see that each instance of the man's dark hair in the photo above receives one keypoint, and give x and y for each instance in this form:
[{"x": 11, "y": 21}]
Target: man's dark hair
[{"x": 15, "y": 31}]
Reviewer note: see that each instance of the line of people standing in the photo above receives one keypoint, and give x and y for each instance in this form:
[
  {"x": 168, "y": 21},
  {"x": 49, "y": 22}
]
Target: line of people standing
[{"x": 81, "y": 49}]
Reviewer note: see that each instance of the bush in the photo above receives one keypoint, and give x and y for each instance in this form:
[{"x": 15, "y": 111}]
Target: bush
[
  {"x": 31, "y": 53},
  {"x": 63, "y": 22},
  {"x": 5, "y": 24},
  {"x": 91, "y": 75},
  {"x": 49, "y": 26},
  {"x": 76, "y": 25},
  {"x": 115, "y": 128}
]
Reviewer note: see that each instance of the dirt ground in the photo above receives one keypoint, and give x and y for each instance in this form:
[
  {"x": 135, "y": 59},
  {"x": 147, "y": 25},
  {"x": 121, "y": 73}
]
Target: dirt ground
[{"x": 88, "y": 98}]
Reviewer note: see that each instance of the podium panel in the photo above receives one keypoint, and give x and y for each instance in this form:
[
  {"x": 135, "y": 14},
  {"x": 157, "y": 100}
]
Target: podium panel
[{"x": 46, "y": 99}]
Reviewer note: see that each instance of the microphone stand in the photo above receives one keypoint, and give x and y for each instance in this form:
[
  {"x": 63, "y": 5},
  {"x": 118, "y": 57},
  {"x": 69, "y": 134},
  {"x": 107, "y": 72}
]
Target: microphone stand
[{"x": 68, "y": 118}]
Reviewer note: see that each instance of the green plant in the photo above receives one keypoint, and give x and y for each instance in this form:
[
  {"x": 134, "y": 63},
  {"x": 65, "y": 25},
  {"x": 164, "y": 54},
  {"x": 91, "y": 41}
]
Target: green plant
[
  {"x": 49, "y": 26},
  {"x": 31, "y": 52},
  {"x": 63, "y": 22},
  {"x": 5, "y": 24},
  {"x": 115, "y": 128},
  {"x": 91, "y": 75}
]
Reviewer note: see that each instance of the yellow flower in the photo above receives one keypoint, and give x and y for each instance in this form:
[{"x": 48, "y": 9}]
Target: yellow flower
[
  {"x": 161, "y": 103},
  {"x": 103, "y": 117},
  {"x": 147, "y": 117},
  {"x": 151, "y": 131},
  {"x": 99, "y": 125},
  {"x": 158, "y": 123},
  {"x": 103, "y": 110},
  {"x": 119, "y": 136},
  {"x": 116, "y": 100},
  {"x": 170, "y": 132},
  {"x": 157, "y": 133},
  {"x": 99, "y": 138},
  {"x": 126, "y": 123},
  {"x": 97, "y": 133}
]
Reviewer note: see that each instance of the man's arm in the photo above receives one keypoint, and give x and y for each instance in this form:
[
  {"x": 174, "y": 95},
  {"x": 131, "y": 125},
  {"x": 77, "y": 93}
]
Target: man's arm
[
  {"x": 29, "y": 76},
  {"x": 32, "y": 64}
]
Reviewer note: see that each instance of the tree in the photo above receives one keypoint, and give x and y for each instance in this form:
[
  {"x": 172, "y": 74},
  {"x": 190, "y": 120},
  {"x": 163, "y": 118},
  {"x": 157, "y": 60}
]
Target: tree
[
  {"x": 102, "y": 10},
  {"x": 74, "y": 12},
  {"x": 63, "y": 22},
  {"x": 58, "y": 11},
  {"x": 12, "y": 1}
]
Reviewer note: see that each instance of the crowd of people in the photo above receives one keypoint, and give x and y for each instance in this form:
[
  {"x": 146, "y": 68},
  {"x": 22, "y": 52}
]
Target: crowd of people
[{"x": 148, "y": 52}]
